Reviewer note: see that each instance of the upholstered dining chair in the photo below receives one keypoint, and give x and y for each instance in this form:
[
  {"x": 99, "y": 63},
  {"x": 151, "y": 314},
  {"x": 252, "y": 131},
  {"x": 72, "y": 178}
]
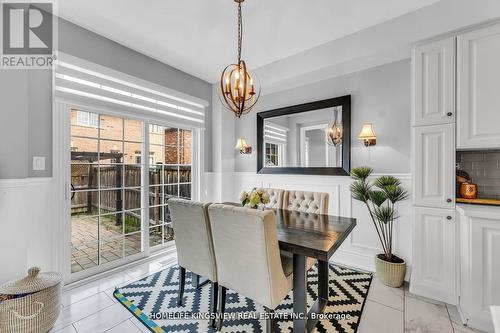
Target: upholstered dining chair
[
  {"x": 193, "y": 239},
  {"x": 275, "y": 197},
  {"x": 251, "y": 265},
  {"x": 307, "y": 202}
]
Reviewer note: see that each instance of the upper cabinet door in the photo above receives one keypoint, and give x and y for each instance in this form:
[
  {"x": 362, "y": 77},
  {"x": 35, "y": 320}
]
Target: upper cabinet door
[
  {"x": 479, "y": 89},
  {"x": 434, "y": 166},
  {"x": 434, "y": 83}
]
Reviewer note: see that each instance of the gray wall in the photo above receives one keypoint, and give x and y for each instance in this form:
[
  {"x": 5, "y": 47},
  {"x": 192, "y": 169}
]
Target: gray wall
[
  {"x": 13, "y": 123},
  {"x": 26, "y": 98},
  {"x": 380, "y": 95}
]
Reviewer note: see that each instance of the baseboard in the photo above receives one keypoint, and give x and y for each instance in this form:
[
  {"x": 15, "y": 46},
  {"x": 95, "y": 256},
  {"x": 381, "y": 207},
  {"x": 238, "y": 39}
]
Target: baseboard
[
  {"x": 424, "y": 291},
  {"x": 352, "y": 259}
]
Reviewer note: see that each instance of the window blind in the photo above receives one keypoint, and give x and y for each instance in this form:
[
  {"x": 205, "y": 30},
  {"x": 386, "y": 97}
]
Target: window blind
[
  {"x": 84, "y": 81},
  {"x": 275, "y": 133}
]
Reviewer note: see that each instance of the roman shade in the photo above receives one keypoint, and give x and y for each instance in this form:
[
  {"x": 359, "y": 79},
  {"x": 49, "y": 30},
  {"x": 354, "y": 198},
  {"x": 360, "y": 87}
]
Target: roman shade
[{"x": 89, "y": 83}]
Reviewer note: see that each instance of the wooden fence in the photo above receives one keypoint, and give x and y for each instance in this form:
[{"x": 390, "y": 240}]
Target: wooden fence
[{"x": 84, "y": 177}]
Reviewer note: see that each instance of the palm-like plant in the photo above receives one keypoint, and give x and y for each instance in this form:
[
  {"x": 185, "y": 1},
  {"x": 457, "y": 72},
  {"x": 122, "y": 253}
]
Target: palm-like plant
[{"x": 380, "y": 197}]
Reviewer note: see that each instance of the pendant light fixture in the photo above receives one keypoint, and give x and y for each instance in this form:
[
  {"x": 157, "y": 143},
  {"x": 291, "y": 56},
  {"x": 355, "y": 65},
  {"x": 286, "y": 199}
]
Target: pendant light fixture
[{"x": 238, "y": 91}]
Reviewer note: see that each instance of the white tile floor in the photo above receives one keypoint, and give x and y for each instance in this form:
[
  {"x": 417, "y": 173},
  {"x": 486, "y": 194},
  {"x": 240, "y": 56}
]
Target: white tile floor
[{"x": 92, "y": 308}]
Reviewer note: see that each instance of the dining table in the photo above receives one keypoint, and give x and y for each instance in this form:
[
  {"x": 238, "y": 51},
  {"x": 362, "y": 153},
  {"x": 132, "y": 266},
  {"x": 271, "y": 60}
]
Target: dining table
[{"x": 315, "y": 236}]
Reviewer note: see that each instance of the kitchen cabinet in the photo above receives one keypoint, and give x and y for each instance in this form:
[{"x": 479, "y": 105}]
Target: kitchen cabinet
[
  {"x": 480, "y": 264},
  {"x": 434, "y": 268},
  {"x": 434, "y": 166},
  {"x": 434, "y": 83},
  {"x": 478, "y": 97},
  {"x": 434, "y": 254}
]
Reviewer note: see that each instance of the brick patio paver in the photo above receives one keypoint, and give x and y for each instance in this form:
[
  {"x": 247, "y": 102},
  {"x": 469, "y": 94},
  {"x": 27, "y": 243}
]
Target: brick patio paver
[{"x": 85, "y": 242}]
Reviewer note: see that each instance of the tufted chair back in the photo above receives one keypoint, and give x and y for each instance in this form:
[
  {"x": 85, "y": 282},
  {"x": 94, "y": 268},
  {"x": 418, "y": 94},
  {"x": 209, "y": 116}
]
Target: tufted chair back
[
  {"x": 250, "y": 265},
  {"x": 275, "y": 197},
  {"x": 192, "y": 226},
  {"x": 307, "y": 202}
]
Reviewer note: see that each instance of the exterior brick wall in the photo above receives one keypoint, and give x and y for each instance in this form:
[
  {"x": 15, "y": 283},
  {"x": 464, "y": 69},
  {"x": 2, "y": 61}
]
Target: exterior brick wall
[{"x": 165, "y": 143}]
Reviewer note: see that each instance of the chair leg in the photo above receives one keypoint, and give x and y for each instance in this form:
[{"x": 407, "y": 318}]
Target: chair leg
[
  {"x": 195, "y": 280},
  {"x": 271, "y": 322},
  {"x": 222, "y": 307},
  {"x": 213, "y": 302},
  {"x": 182, "y": 283}
]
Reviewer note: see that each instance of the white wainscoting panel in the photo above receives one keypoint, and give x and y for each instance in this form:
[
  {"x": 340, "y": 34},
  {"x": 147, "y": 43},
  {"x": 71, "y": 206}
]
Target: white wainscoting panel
[
  {"x": 27, "y": 226},
  {"x": 14, "y": 207},
  {"x": 41, "y": 223},
  {"x": 361, "y": 247}
]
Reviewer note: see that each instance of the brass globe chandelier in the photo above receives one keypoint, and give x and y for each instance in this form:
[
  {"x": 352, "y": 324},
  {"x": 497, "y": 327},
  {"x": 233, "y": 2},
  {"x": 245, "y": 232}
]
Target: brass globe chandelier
[{"x": 237, "y": 87}]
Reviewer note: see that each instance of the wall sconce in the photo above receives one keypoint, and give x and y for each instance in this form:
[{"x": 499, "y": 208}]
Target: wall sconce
[
  {"x": 243, "y": 146},
  {"x": 367, "y": 134}
]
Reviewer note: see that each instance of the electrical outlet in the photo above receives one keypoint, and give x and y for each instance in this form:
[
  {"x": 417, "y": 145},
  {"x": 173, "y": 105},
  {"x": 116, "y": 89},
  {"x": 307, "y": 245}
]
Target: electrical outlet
[{"x": 38, "y": 163}]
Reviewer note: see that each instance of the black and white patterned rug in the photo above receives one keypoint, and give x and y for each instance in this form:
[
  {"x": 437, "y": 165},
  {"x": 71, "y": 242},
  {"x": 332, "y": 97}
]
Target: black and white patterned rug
[{"x": 153, "y": 300}]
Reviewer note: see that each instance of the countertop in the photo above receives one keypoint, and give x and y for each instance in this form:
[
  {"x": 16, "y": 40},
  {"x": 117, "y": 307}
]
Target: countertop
[
  {"x": 484, "y": 211},
  {"x": 479, "y": 201}
]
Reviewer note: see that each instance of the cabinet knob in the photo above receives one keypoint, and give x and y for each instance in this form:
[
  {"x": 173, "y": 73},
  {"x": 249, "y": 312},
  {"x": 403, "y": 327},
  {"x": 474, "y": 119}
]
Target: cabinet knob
[
  {"x": 449, "y": 114},
  {"x": 449, "y": 200},
  {"x": 448, "y": 217}
]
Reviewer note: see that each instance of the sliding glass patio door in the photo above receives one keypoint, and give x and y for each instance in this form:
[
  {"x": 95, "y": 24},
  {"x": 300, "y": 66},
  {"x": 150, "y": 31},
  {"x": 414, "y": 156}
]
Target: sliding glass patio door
[{"x": 123, "y": 172}]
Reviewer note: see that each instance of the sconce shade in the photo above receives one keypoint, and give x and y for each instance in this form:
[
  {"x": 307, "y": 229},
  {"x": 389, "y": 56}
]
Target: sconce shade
[
  {"x": 367, "y": 132},
  {"x": 241, "y": 144}
]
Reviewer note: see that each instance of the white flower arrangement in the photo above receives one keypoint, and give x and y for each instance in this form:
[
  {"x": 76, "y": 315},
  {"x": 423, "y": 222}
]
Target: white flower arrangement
[{"x": 255, "y": 198}]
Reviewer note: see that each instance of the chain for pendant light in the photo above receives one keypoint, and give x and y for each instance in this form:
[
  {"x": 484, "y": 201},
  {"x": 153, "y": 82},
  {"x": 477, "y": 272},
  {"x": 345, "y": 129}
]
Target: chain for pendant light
[{"x": 238, "y": 92}]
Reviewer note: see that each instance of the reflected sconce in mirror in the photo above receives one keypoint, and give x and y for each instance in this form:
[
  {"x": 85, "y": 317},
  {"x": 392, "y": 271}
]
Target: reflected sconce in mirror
[
  {"x": 243, "y": 146},
  {"x": 367, "y": 134}
]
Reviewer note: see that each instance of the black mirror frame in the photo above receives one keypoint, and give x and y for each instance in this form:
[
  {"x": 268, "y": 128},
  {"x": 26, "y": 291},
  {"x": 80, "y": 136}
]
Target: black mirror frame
[{"x": 344, "y": 101}]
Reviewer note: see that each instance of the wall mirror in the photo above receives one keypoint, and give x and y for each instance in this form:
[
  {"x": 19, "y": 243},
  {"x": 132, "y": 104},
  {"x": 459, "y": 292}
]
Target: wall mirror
[{"x": 312, "y": 138}]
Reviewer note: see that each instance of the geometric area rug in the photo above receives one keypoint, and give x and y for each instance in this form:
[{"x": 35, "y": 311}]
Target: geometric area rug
[{"x": 153, "y": 300}]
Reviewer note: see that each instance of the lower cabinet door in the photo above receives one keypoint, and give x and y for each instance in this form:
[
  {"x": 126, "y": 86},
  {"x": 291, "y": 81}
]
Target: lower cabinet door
[
  {"x": 480, "y": 285},
  {"x": 434, "y": 269}
]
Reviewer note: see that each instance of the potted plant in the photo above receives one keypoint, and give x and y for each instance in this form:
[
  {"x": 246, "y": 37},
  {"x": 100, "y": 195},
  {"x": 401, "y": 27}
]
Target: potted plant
[
  {"x": 380, "y": 198},
  {"x": 257, "y": 198}
]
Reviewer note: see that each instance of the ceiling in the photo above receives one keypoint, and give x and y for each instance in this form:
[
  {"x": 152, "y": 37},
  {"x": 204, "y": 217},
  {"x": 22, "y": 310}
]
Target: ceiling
[{"x": 199, "y": 36}]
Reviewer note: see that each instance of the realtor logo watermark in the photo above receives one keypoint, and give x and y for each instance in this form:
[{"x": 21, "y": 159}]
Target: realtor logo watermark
[{"x": 27, "y": 35}]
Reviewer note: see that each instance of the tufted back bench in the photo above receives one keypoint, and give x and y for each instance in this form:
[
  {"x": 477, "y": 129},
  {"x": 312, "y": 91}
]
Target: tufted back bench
[
  {"x": 275, "y": 197},
  {"x": 307, "y": 202}
]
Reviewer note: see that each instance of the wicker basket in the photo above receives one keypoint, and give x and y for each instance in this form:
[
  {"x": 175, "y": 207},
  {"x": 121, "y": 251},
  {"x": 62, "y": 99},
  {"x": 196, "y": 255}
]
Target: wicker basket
[{"x": 36, "y": 312}]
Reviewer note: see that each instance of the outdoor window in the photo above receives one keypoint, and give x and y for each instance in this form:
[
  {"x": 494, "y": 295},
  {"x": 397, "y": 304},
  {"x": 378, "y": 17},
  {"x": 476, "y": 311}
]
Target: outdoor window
[
  {"x": 169, "y": 177},
  {"x": 84, "y": 118},
  {"x": 273, "y": 154},
  {"x": 155, "y": 129}
]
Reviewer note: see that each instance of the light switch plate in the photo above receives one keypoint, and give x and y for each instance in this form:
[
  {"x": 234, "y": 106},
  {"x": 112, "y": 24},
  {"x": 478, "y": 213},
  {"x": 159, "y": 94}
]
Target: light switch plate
[{"x": 38, "y": 163}]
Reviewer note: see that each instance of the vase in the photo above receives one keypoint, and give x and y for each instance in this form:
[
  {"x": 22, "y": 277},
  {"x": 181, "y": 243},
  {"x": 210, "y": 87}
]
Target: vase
[{"x": 391, "y": 274}]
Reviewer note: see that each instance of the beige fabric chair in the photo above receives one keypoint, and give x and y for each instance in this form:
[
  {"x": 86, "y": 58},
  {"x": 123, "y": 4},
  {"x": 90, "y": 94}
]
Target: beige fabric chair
[
  {"x": 307, "y": 202},
  {"x": 250, "y": 265},
  {"x": 275, "y": 197},
  {"x": 193, "y": 239}
]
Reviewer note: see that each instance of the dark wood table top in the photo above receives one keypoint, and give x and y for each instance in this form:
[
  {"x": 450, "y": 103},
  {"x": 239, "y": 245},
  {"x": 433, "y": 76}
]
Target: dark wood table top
[{"x": 313, "y": 235}]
